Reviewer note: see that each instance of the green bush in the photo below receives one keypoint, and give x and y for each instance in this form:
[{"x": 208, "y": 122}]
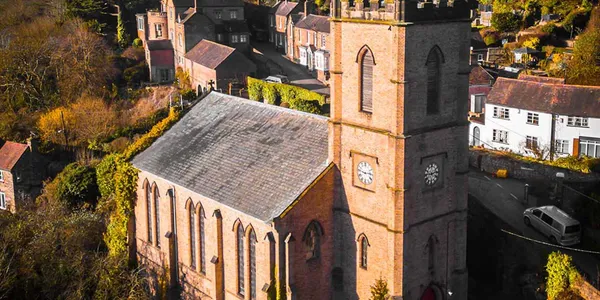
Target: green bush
[
  {"x": 269, "y": 92},
  {"x": 76, "y": 185},
  {"x": 561, "y": 275},
  {"x": 254, "y": 89},
  {"x": 133, "y": 76},
  {"x": 549, "y": 28},
  {"x": 490, "y": 40},
  {"x": 310, "y": 106},
  {"x": 137, "y": 43},
  {"x": 289, "y": 95},
  {"x": 506, "y": 22}
]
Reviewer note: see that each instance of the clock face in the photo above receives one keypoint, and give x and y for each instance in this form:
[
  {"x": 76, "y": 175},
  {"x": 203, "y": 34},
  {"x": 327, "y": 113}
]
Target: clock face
[
  {"x": 365, "y": 172},
  {"x": 432, "y": 173}
]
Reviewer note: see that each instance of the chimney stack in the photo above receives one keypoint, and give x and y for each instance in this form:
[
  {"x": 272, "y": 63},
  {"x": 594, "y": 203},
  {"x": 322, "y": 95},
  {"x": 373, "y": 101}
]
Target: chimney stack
[{"x": 307, "y": 8}]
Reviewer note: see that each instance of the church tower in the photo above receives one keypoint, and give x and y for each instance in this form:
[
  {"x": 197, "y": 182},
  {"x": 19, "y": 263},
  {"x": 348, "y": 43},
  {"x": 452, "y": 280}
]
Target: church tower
[{"x": 399, "y": 138}]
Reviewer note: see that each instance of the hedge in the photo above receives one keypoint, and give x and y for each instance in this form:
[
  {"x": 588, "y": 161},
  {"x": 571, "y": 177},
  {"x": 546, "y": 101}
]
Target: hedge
[{"x": 278, "y": 93}]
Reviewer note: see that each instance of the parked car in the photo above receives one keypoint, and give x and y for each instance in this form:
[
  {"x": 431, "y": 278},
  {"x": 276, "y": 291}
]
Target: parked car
[
  {"x": 554, "y": 223},
  {"x": 277, "y": 79}
]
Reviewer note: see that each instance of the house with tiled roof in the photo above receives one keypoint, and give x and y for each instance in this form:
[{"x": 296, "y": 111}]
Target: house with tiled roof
[
  {"x": 21, "y": 173},
  {"x": 480, "y": 84},
  {"x": 310, "y": 43},
  {"x": 540, "y": 117},
  {"x": 278, "y": 22},
  {"x": 210, "y": 63}
]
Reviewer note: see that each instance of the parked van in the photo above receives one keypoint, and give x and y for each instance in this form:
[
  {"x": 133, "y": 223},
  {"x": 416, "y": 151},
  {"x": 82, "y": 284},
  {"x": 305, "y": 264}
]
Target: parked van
[{"x": 554, "y": 223}]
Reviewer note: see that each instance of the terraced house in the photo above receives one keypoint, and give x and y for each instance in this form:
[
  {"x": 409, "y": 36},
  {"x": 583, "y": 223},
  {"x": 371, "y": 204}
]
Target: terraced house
[
  {"x": 246, "y": 200},
  {"x": 184, "y": 23}
]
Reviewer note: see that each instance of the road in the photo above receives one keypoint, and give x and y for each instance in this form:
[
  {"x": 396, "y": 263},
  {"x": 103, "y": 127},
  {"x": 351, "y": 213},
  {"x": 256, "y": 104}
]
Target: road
[
  {"x": 296, "y": 73},
  {"x": 505, "y": 199}
]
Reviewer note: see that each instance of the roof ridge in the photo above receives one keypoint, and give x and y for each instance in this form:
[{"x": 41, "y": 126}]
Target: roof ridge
[
  {"x": 271, "y": 106},
  {"x": 562, "y": 85}
]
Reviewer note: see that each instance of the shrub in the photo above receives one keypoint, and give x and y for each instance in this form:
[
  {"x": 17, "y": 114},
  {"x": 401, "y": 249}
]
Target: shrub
[
  {"x": 294, "y": 97},
  {"x": 133, "y": 76},
  {"x": 548, "y": 28},
  {"x": 379, "y": 291},
  {"x": 506, "y": 22},
  {"x": 269, "y": 93},
  {"x": 188, "y": 94},
  {"x": 490, "y": 40},
  {"x": 561, "y": 274},
  {"x": 532, "y": 43},
  {"x": 137, "y": 43},
  {"x": 255, "y": 89},
  {"x": 310, "y": 106},
  {"x": 76, "y": 185}
]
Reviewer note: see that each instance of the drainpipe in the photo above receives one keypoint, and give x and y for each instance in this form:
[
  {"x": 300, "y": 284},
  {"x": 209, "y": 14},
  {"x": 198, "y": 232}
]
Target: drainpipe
[{"x": 553, "y": 137}]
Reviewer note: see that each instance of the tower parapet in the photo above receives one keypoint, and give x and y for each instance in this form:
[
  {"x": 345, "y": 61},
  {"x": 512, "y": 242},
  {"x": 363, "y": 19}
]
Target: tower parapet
[{"x": 401, "y": 10}]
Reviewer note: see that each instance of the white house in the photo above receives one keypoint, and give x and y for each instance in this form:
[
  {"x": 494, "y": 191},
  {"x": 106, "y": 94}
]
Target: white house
[{"x": 539, "y": 118}]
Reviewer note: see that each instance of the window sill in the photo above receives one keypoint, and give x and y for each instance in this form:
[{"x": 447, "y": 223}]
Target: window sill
[
  {"x": 533, "y": 124},
  {"x": 499, "y": 142},
  {"x": 507, "y": 119},
  {"x": 578, "y": 126}
]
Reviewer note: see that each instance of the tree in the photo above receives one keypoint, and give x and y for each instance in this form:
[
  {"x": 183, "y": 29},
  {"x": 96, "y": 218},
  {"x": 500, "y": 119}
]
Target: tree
[
  {"x": 506, "y": 22},
  {"x": 561, "y": 275},
  {"x": 584, "y": 67},
  {"x": 73, "y": 187},
  {"x": 532, "y": 43},
  {"x": 379, "y": 291}
]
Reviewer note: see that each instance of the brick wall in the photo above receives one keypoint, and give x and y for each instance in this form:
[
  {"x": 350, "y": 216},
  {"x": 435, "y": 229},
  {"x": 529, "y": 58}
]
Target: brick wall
[{"x": 7, "y": 187}]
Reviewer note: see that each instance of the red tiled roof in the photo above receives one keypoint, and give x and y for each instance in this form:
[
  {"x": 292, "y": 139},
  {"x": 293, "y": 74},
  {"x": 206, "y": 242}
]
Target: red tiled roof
[
  {"x": 285, "y": 8},
  {"x": 314, "y": 22},
  {"x": 10, "y": 153},
  {"x": 209, "y": 54},
  {"x": 563, "y": 99},
  {"x": 479, "y": 76}
]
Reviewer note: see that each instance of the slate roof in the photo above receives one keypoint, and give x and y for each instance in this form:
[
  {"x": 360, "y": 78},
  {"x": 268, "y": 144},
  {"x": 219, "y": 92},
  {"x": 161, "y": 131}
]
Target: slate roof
[
  {"x": 570, "y": 100},
  {"x": 285, "y": 8},
  {"x": 209, "y": 54},
  {"x": 159, "y": 45},
  {"x": 314, "y": 22},
  {"x": 253, "y": 157},
  {"x": 479, "y": 76},
  {"x": 10, "y": 153}
]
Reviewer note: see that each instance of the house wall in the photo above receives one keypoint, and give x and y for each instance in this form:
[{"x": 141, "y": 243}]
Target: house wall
[
  {"x": 200, "y": 75},
  {"x": 197, "y": 285},
  {"x": 517, "y": 129},
  {"x": 234, "y": 69},
  {"x": 211, "y": 12},
  {"x": 7, "y": 187},
  {"x": 157, "y": 18},
  {"x": 565, "y": 132},
  {"x": 141, "y": 34}
]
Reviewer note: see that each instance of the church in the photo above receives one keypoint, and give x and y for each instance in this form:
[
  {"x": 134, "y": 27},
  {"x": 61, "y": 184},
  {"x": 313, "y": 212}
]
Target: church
[{"x": 246, "y": 200}]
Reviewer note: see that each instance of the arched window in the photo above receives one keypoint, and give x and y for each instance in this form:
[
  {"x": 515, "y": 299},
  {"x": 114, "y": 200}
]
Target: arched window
[
  {"x": 240, "y": 258},
  {"x": 202, "y": 245},
  {"x": 366, "y": 3},
  {"x": 192, "y": 216},
  {"x": 148, "y": 192},
  {"x": 434, "y": 61},
  {"x": 364, "y": 244},
  {"x": 312, "y": 240},
  {"x": 431, "y": 252},
  {"x": 366, "y": 79},
  {"x": 252, "y": 257},
  {"x": 157, "y": 215}
]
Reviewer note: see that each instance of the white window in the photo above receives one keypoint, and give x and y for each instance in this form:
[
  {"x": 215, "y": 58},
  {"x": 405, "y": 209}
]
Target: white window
[
  {"x": 140, "y": 21},
  {"x": 531, "y": 142},
  {"x": 234, "y": 38},
  {"x": 501, "y": 113},
  {"x": 243, "y": 38},
  {"x": 533, "y": 119},
  {"x": 218, "y": 15},
  {"x": 233, "y": 14},
  {"x": 577, "y": 122},
  {"x": 271, "y": 21},
  {"x": 180, "y": 40},
  {"x": 500, "y": 136},
  {"x": 2, "y": 201},
  {"x": 562, "y": 146},
  {"x": 477, "y": 102},
  {"x": 589, "y": 147},
  {"x": 323, "y": 41},
  {"x": 219, "y": 37},
  {"x": 158, "y": 28}
]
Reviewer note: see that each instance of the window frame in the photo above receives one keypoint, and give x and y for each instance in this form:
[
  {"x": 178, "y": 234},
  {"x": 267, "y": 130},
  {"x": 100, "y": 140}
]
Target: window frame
[
  {"x": 561, "y": 146},
  {"x": 193, "y": 235},
  {"x": 1, "y": 176},
  {"x": 364, "y": 252},
  {"x": 502, "y": 113},
  {"x": 233, "y": 14},
  {"x": 252, "y": 241},
  {"x": 140, "y": 23},
  {"x": 533, "y": 118},
  {"x": 240, "y": 259},
  {"x": 586, "y": 143},
  {"x": 433, "y": 83},
  {"x": 578, "y": 122},
  {"x": 157, "y": 30},
  {"x": 149, "y": 203},
  {"x": 531, "y": 142},
  {"x": 500, "y": 136},
  {"x": 3, "y": 201},
  {"x": 156, "y": 200},
  {"x": 218, "y": 14},
  {"x": 366, "y": 95},
  {"x": 234, "y": 38},
  {"x": 243, "y": 38}
]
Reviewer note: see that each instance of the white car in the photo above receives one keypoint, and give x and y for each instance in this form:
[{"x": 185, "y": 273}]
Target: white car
[
  {"x": 557, "y": 225},
  {"x": 277, "y": 79}
]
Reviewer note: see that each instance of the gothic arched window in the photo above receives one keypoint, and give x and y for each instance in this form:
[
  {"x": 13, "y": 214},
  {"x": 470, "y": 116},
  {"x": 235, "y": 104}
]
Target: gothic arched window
[
  {"x": 312, "y": 240},
  {"x": 148, "y": 192},
  {"x": 202, "y": 245},
  {"x": 240, "y": 258},
  {"x": 431, "y": 252},
  {"x": 434, "y": 62},
  {"x": 252, "y": 258},
  {"x": 367, "y": 61},
  {"x": 364, "y": 244},
  {"x": 192, "y": 219},
  {"x": 157, "y": 215}
]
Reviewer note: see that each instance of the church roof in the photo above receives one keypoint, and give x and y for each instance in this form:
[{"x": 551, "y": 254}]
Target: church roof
[{"x": 253, "y": 157}]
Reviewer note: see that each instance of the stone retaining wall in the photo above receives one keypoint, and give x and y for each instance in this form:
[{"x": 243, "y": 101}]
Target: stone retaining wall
[{"x": 491, "y": 163}]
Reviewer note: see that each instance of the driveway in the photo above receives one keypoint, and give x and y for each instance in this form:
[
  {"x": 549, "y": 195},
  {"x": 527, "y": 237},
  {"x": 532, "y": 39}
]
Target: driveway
[
  {"x": 297, "y": 74},
  {"x": 505, "y": 199}
]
